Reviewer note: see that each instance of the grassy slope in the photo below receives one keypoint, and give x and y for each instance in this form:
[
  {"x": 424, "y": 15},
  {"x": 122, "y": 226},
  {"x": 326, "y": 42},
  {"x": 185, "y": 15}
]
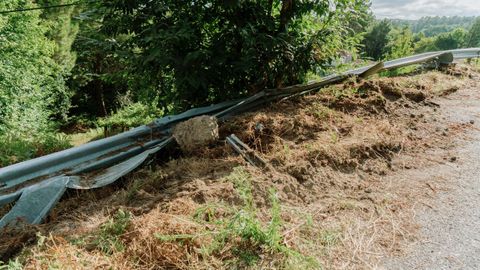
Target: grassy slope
[{"x": 321, "y": 203}]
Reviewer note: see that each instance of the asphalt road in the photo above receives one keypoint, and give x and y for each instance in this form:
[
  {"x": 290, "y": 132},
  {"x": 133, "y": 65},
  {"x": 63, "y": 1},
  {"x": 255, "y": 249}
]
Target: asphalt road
[{"x": 449, "y": 237}]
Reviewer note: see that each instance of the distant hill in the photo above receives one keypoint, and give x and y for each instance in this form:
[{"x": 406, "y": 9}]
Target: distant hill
[{"x": 432, "y": 26}]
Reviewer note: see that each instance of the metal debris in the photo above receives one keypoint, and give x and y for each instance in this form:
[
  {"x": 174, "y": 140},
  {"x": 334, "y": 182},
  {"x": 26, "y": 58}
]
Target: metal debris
[{"x": 247, "y": 153}]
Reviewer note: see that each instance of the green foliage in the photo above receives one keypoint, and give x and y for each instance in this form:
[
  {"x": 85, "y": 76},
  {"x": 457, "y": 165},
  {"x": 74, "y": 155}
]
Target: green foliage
[
  {"x": 383, "y": 41},
  {"x": 400, "y": 44},
  {"x": 473, "y": 37},
  {"x": 203, "y": 52},
  {"x": 433, "y": 26},
  {"x": 451, "y": 40},
  {"x": 131, "y": 115},
  {"x": 15, "y": 149},
  {"x": 445, "y": 41},
  {"x": 12, "y": 265},
  {"x": 62, "y": 30},
  {"x": 29, "y": 84},
  {"x": 32, "y": 91},
  {"x": 389, "y": 39},
  {"x": 99, "y": 75},
  {"x": 376, "y": 40},
  {"x": 108, "y": 239},
  {"x": 425, "y": 44}
]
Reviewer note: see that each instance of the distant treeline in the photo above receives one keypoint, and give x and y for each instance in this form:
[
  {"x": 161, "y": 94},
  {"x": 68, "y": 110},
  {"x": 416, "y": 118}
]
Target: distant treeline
[
  {"x": 432, "y": 26},
  {"x": 388, "y": 39}
]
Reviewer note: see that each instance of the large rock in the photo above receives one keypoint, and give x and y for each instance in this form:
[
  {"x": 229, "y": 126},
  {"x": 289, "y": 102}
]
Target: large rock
[{"x": 196, "y": 132}]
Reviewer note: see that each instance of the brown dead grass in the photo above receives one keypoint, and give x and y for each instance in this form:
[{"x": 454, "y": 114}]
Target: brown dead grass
[{"x": 329, "y": 155}]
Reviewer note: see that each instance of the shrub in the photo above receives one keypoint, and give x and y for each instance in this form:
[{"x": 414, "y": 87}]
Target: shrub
[{"x": 132, "y": 115}]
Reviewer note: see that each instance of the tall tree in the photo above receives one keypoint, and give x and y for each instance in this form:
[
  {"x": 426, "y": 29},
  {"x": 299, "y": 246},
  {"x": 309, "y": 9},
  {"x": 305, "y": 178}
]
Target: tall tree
[
  {"x": 62, "y": 29},
  {"x": 99, "y": 75},
  {"x": 29, "y": 81},
  {"x": 451, "y": 40},
  {"x": 376, "y": 40},
  {"x": 199, "y": 52},
  {"x": 400, "y": 43}
]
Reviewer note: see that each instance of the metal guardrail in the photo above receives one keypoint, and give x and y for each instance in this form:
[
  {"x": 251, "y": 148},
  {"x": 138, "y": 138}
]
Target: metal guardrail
[{"x": 36, "y": 185}]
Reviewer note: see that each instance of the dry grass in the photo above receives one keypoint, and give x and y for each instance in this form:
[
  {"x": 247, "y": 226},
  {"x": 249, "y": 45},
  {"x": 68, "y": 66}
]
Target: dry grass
[{"x": 330, "y": 155}]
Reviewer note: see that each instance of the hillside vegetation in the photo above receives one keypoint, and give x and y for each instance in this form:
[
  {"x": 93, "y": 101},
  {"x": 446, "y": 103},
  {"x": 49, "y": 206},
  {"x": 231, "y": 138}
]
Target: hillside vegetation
[
  {"x": 324, "y": 200},
  {"x": 72, "y": 72},
  {"x": 69, "y": 68}
]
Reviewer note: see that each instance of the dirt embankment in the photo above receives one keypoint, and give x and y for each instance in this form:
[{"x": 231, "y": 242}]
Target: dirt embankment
[{"x": 322, "y": 202}]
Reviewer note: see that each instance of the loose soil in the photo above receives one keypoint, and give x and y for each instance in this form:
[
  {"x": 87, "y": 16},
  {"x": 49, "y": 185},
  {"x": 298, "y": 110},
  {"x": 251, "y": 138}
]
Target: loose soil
[{"x": 340, "y": 164}]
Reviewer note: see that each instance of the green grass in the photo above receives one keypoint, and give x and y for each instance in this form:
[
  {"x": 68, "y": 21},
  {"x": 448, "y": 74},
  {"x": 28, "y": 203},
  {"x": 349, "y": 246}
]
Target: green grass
[
  {"x": 11, "y": 265},
  {"x": 16, "y": 149},
  {"x": 399, "y": 71},
  {"x": 108, "y": 240},
  {"x": 131, "y": 115},
  {"x": 247, "y": 237},
  {"x": 93, "y": 134}
]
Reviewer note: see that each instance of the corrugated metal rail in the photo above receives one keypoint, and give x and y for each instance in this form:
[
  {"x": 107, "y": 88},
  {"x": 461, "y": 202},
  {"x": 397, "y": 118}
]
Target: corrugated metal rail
[{"x": 35, "y": 186}]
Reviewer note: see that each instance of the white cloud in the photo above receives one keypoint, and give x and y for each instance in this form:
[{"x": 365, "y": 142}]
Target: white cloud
[{"x": 414, "y": 9}]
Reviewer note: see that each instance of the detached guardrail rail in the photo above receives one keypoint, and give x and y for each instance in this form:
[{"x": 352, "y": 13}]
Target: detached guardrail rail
[{"x": 36, "y": 185}]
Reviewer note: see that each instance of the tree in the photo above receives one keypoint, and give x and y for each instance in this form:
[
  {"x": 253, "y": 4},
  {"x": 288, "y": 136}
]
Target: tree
[
  {"x": 451, "y": 40},
  {"x": 99, "y": 75},
  {"x": 425, "y": 44},
  {"x": 62, "y": 29},
  {"x": 473, "y": 37},
  {"x": 29, "y": 82},
  {"x": 433, "y": 26},
  {"x": 192, "y": 53},
  {"x": 376, "y": 40},
  {"x": 400, "y": 43}
]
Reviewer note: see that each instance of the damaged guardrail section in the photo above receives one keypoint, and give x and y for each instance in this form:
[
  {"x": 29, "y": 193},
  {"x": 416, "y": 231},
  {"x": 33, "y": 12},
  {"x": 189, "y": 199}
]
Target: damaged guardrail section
[{"x": 35, "y": 186}]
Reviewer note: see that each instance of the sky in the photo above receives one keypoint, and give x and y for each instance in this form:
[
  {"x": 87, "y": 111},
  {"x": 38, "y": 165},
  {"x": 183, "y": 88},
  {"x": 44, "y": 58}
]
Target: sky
[{"x": 414, "y": 9}]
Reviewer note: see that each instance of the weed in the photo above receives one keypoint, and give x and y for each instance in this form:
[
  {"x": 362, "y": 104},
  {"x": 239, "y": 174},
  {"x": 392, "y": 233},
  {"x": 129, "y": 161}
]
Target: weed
[
  {"x": 309, "y": 147},
  {"x": 12, "y": 265},
  {"x": 133, "y": 190},
  {"x": 108, "y": 240},
  {"x": 354, "y": 90},
  {"x": 320, "y": 111},
  {"x": 333, "y": 137},
  {"x": 207, "y": 213},
  {"x": 241, "y": 233},
  {"x": 329, "y": 238}
]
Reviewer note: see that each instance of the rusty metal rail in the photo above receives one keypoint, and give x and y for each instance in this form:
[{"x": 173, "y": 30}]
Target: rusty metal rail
[{"x": 35, "y": 186}]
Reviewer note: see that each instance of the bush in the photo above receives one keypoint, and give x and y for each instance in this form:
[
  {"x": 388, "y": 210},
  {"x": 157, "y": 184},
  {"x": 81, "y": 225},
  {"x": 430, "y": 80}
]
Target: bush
[
  {"x": 196, "y": 53},
  {"x": 132, "y": 115}
]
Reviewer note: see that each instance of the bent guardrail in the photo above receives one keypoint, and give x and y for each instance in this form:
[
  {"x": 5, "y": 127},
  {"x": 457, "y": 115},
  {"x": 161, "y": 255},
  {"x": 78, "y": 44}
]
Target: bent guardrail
[{"x": 36, "y": 185}]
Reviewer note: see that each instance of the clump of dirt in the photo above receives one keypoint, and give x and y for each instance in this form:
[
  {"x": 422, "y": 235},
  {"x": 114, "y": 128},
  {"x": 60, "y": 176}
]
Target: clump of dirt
[
  {"x": 15, "y": 239},
  {"x": 196, "y": 132}
]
